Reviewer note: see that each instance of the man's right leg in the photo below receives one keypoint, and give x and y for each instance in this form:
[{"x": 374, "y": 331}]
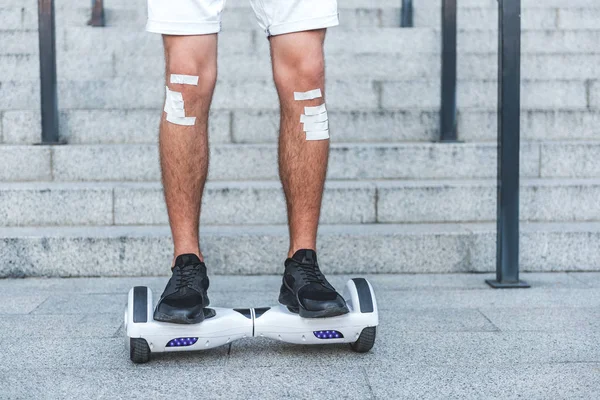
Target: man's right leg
[
  {"x": 184, "y": 166},
  {"x": 184, "y": 149}
]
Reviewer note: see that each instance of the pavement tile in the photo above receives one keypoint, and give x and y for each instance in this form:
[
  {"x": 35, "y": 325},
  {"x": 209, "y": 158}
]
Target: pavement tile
[
  {"x": 188, "y": 382},
  {"x": 86, "y": 353},
  {"x": 526, "y": 298},
  {"x": 437, "y": 320},
  {"x": 18, "y": 304},
  {"x": 83, "y": 304},
  {"x": 484, "y": 348},
  {"x": 553, "y": 381},
  {"x": 63, "y": 326},
  {"x": 427, "y": 348},
  {"x": 589, "y": 278},
  {"x": 544, "y": 319}
]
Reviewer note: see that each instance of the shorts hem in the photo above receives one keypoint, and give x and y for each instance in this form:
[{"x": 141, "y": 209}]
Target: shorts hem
[
  {"x": 304, "y": 25},
  {"x": 183, "y": 28}
]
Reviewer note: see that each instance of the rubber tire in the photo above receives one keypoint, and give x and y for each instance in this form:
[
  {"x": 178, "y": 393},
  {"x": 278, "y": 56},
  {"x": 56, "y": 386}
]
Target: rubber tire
[
  {"x": 139, "y": 352},
  {"x": 365, "y": 341}
]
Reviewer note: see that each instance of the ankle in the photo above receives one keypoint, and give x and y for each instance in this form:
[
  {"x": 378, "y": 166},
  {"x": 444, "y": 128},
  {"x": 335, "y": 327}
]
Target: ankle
[
  {"x": 293, "y": 249},
  {"x": 178, "y": 253}
]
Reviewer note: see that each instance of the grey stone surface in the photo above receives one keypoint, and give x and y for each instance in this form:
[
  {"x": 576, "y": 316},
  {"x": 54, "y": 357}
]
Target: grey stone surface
[
  {"x": 90, "y": 353},
  {"x": 20, "y": 304},
  {"x": 541, "y": 125},
  {"x": 258, "y": 203},
  {"x": 542, "y": 297},
  {"x": 253, "y": 94},
  {"x": 483, "y": 94},
  {"x": 19, "y": 41},
  {"x": 110, "y": 162},
  {"x": 83, "y": 304},
  {"x": 128, "y": 126},
  {"x": 544, "y": 319},
  {"x": 369, "y": 126},
  {"x": 258, "y": 66},
  {"x": 30, "y": 204},
  {"x": 578, "y": 18},
  {"x": 481, "y": 17},
  {"x": 25, "y": 163},
  {"x": 103, "y": 324},
  {"x": 423, "y": 161},
  {"x": 575, "y": 159},
  {"x": 447, "y": 201},
  {"x": 460, "y": 349},
  {"x": 544, "y": 247},
  {"x": 19, "y": 66},
  {"x": 218, "y": 382},
  {"x": 21, "y": 127},
  {"x": 23, "y": 95},
  {"x": 534, "y": 66},
  {"x": 588, "y": 278},
  {"x": 139, "y": 162},
  {"x": 493, "y": 382},
  {"x": 433, "y": 342},
  {"x": 133, "y": 251}
]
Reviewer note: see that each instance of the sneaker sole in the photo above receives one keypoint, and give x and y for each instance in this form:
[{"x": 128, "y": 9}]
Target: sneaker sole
[
  {"x": 162, "y": 317},
  {"x": 288, "y": 300}
]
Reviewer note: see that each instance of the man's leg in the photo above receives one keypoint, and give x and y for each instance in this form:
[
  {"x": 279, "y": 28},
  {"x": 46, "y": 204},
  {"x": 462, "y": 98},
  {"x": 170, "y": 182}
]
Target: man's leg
[
  {"x": 191, "y": 72},
  {"x": 299, "y": 66},
  {"x": 184, "y": 149}
]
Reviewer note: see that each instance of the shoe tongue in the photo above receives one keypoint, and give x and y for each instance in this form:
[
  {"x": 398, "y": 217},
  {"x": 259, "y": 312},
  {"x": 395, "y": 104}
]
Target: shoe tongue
[
  {"x": 187, "y": 259},
  {"x": 305, "y": 256}
]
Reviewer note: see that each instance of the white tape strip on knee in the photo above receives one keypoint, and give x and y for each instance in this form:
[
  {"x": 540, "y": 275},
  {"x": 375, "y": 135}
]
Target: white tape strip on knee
[
  {"x": 310, "y": 95},
  {"x": 175, "y": 108},
  {"x": 315, "y": 119},
  {"x": 184, "y": 79}
]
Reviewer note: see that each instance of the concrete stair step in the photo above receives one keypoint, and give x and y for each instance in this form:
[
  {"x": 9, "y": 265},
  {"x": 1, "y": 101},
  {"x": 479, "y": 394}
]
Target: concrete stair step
[
  {"x": 342, "y": 94},
  {"x": 541, "y": 17},
  {"x": 347, "y": 161},
  {"x": 232, "y": 126},
  {"x": 129, "y": 42},
  {"x": 262, "y": 202},
  {"x": 241, "y": 17},
  {"x": 376, "y": 66},
  {"x": 427, "y": 248},
  {"x": 234, "y": 18},
  {"x": 232, "y": 4}
]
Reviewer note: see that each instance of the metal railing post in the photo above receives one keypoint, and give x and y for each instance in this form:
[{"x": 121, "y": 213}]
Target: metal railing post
[
  {"x": 448, "y": 106},
  {"x": 97, "y": 18},
  {"x": 49, "y": 96},
  {"x": 509, "y": 111},
  {"x": 406, "y": 14}
]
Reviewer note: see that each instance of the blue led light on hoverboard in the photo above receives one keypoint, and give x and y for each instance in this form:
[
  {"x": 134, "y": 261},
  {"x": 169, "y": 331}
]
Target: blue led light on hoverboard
[
  {"x": 177, "y": 342},
  {"x": 328, "y": 334}
]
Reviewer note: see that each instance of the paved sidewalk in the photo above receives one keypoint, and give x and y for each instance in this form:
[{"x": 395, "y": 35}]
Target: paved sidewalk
[{"x": 441, "y": 336}]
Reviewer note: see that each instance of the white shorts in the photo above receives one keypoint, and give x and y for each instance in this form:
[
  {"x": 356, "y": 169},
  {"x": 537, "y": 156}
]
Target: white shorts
[{"x": 275, "y": 17}]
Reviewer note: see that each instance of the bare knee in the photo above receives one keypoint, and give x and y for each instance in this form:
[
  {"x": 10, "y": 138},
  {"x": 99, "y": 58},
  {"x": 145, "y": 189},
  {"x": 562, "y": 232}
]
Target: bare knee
[
  {"x": 299, "y": 64},
  {"x": 191, "y": 69}
]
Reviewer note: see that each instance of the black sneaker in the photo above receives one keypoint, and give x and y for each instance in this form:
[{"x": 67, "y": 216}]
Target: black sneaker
[
  {"x": 184, "y": 299},
  {"x": 306, "y": 291}
]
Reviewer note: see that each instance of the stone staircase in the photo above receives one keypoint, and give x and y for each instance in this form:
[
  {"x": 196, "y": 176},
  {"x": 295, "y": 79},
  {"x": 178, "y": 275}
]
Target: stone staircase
[{"x": 395, "y": 201}]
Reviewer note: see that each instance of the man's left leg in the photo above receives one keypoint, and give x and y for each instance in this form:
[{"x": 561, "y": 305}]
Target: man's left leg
[{"x": 299, "y": 73}]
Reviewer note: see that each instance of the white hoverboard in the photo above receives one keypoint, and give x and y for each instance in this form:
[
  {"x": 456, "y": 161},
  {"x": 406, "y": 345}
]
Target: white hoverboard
[{"x": 145, "y": 336}]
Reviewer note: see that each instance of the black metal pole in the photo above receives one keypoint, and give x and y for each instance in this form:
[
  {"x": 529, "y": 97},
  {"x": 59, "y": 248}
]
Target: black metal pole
[
  {"x": 448, "y": 107},
  {"x": 97, "y": 18},
  {"x": 49, "y": 97},
  {"x": 406, "y": 15},
  {"x": 509, "y": 111}
]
